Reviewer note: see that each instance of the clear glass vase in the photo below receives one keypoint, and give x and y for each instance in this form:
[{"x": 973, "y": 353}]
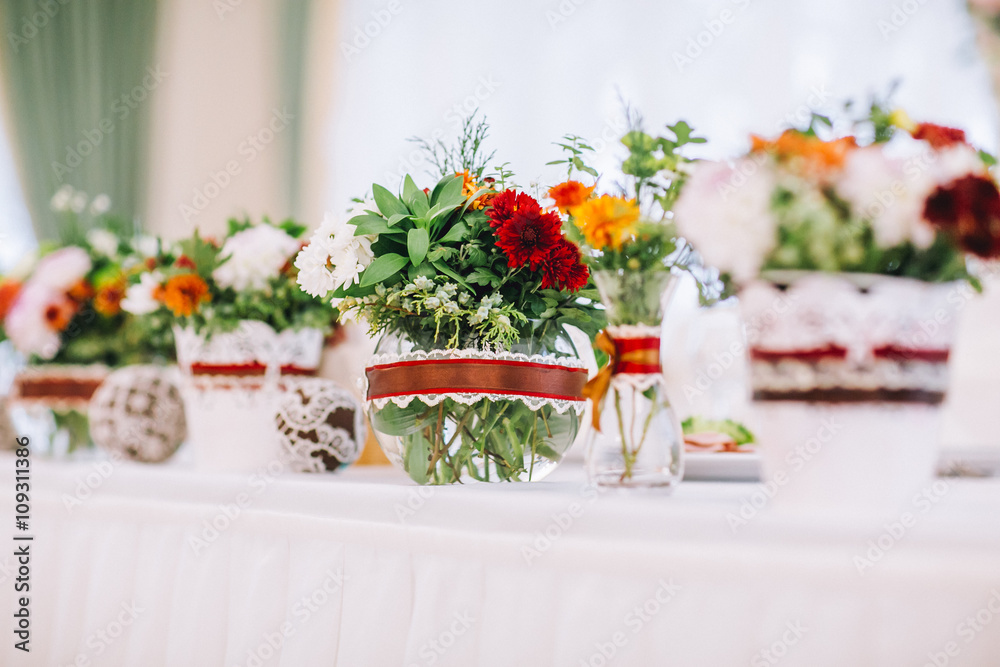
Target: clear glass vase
[
  {"x": 475, "y": 433},
  {"x": 637, "y": 441}
]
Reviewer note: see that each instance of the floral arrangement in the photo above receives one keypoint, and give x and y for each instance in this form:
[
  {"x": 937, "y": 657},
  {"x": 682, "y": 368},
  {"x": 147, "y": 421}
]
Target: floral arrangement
[
  {"x": 472, "y": 260},
  {"x": 896, "y": 198},
  {"x": 66, "y": 305},
  {"x": 632, "y": 245},
  {"x": 632, "y": 233},
  {"x": 471, "y": 263},
  {"x": 212, "y": 286}
]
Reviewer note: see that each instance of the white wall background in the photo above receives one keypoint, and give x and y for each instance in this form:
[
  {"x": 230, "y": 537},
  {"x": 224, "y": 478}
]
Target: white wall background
[{"x": 539, "y": 69}]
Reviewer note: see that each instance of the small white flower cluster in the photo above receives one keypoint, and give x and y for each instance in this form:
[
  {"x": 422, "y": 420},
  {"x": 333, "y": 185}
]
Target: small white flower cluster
[
  {"x": 68, "y": 199},
  {"x": 335, "y": 257},
  {"x": 450, "y": 306}
]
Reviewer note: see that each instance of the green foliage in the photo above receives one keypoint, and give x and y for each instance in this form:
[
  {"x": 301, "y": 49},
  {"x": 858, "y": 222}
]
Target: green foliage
[
  {"x": 577, "y": 148},
  {"x": 468, "y": 154},
  {"x": 738, "y": 432}
]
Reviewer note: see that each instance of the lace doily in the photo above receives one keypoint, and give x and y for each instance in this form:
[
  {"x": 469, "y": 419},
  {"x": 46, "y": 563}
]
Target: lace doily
[
  {"x": 251, "y": 344},
  {"x": 137, "y": 412},
  {"x": 320, "y": 426},
  {"x": 533, "y": 397},
  {"x": 832, "y": 332}
]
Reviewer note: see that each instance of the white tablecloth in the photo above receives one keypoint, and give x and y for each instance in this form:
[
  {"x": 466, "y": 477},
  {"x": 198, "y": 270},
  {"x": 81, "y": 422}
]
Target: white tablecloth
[{"x": 363, "y": 570}]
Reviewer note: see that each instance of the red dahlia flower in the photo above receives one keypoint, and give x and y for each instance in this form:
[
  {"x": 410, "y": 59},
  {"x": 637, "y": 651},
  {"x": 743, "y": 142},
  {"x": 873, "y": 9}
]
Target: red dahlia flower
[
  {"x": 969, "y": 210},
  {"x": 508, "y": 202},
  {"x": 562, "y": 269},
  {"x": 939, "y": 136}
]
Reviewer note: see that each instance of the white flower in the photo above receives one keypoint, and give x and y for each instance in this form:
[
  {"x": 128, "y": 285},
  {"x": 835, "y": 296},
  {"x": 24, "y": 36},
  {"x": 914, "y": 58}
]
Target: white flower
[
  {"x": 725, "y": 212},
  {"x": 62, "y": 269},
  {"x": 423, "y": 282},
  {"x": 27, "y": 325},
  {"x": 334, "y": 258},
  {"x": 432, "y": 302},
  {"x": 100, "y": 205},
  {"x": 78, "y": 202},
  {"x": 256, "y": 255},
  {"x": 887, "y": 192},
  {"x": 146, "y": 245},
  {"x": 139, "y": 298},
  {"x": 60, "y": 200},
  {"x": 103, "y": 241}
]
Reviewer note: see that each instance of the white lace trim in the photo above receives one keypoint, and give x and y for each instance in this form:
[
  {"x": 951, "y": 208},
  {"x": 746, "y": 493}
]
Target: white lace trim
[
  {"x": 639, "y": 382},
  {"x": 622, "y": 331},
  {"x": 534, "y": 403}
]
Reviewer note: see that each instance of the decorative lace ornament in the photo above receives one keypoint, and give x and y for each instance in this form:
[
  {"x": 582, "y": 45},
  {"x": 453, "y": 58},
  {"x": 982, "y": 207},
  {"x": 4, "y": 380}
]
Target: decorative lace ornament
[
  {"x": 320, "y": 426},
  {"x": 249, "y": 361},
  {"x": 533, "y": 397},
  {"x": 830, "y": 331},
  {"x": 138, "y": 413}
]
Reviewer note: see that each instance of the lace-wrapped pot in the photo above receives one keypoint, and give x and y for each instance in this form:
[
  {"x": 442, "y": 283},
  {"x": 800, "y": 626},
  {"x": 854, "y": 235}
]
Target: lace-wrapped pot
[
  {"x": 232, "y": 385},
  {"x": 848, "y": 375},
  {"x": 321, "y": 426},
  {"x": 49, "y": 402},
  {"x": 637, "y": 441},
  {"x": 470, "y": 414}
]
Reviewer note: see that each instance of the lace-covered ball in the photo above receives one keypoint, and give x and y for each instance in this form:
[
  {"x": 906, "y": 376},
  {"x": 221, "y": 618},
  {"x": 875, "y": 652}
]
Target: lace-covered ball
[
  {"x": 321, "y": 426},
  {"x": 138, "y": 413}
]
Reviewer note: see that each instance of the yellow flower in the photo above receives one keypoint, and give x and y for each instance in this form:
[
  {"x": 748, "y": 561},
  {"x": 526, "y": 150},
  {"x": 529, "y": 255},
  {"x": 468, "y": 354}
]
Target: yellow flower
[
  {"x": 902, "y": 120},
  {"x": 606, "y": 222}
]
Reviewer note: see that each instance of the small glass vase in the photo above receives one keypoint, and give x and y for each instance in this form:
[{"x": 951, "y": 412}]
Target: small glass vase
[
  {"x": 637, "y": 441},
  {"x": 471, "y": 428}
]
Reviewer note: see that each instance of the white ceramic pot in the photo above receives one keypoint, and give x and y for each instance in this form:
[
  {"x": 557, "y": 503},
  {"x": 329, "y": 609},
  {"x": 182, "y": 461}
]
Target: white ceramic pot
[{"x": 232, "y": 387}]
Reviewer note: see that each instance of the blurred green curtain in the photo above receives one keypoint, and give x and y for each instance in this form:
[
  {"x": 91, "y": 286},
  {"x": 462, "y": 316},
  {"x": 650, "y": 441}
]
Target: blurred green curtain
[
  {"x": 294, "y": 41},
  {"x": 77, "y": 80}
]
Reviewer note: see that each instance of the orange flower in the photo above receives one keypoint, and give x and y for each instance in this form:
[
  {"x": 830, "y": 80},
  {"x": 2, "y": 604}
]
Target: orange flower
[
  {"x": 109, "y": 297},
  {"x": 183, "y": 294},
  {"x": 81, "y": 291},
  {"x": 570, "y": 194},
  {"x": 809, "y": 153},
  {"x": 607, "y": 222},
  {"x": 470, "y": 187},
  {"x": 59, "y": 314},
  {"x": 9, "y": 291}
]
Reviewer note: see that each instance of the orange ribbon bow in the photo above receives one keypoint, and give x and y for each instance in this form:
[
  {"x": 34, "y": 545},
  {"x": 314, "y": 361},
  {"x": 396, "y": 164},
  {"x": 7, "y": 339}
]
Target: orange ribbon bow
[{"x": 627, "y": 355}]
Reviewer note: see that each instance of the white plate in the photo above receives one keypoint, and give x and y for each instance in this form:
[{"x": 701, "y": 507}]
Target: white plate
[{"x": 722, "y": 466}]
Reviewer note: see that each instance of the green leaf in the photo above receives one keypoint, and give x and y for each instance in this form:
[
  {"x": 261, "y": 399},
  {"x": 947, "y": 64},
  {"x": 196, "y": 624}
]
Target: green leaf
[
  {"x": 410, "y": 189},
  {"x": 443, "y": 268},
  {"x": 365, "y": 217},
  {"x": 417, "y": 243},
  {"x": 418, "y": 204},
  {"x": 387, "y": 203},
  {"x": 483, "y": 276},
  {"x": 292, "y": 228},
  {"x": 455, "y": 234},
  {"x": 397, "y": 218},
  {"x": 382, "y": 268},
  {"x": 375, "y": 225},
  {"x": 451, "y": 193}
]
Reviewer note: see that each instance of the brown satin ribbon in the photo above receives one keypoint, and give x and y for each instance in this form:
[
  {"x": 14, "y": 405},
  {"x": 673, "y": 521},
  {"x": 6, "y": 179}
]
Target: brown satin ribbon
[
  {"x": 628, "y": 355},
  {"x": 493, "y": 376},
  {"x": 71, "y": 389}
]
